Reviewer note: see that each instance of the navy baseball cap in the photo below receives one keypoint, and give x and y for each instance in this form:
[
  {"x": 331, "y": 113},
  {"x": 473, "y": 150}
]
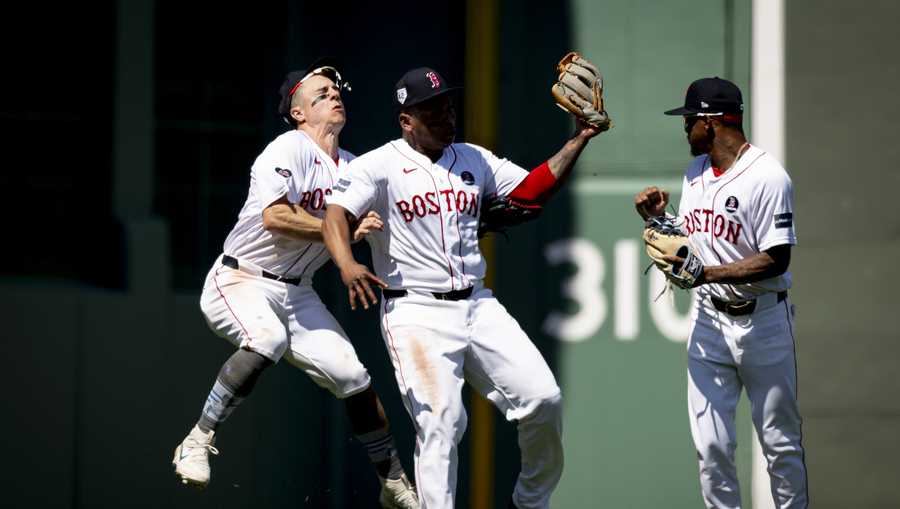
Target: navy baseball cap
[
  {"x": 711, "y": 95},
  {"x": 420, "y": 85},
  {"x": 326, "y": 66}
]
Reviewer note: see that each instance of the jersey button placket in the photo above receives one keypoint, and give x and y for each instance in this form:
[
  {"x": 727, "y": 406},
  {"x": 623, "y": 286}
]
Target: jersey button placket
[
  {"x": 443, "y": 217},
  {"x": 437, "y": 173}
]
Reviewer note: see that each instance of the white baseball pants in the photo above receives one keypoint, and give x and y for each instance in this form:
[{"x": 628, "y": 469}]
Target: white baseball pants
[
  {"x": 435, "y": 345},
  {"x": 756, "y": 352},
  {"x": 276, "y": 319}
]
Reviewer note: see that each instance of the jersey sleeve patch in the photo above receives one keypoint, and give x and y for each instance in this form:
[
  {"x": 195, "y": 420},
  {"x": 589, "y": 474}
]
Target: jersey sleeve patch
[
  {"x": 284, "y": 172},
  {"x": 784, "y": 220},
  {"x": 342, "y": 184}
]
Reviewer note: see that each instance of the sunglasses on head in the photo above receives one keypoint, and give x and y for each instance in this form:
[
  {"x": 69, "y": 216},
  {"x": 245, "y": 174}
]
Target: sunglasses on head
[
  {"x": 690, "y": 120},
  {"x": 327, "y": 71}
]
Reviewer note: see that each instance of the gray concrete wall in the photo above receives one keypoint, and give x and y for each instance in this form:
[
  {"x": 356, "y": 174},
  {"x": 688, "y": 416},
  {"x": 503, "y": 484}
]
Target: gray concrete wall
[
  {"x": 102, "y": 385},
  {"x": 843, "y": 80}
]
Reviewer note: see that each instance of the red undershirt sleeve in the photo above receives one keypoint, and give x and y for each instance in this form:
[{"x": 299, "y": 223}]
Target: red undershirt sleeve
[{"x": 537, "y": 187}]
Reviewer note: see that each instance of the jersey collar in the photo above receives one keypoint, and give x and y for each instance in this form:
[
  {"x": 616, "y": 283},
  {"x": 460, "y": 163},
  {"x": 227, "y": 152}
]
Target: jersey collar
[
  {"x": 749, "y": 156},
  {"x": 419, "y": 158},
  {"x": 323, "y": 156}
]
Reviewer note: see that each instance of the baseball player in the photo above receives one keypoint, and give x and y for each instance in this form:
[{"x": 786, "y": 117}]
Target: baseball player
[
  {"x": 737, "y": 208},
  {"x": 440, "y": 324},
  {"x": 259, "y": 293}
]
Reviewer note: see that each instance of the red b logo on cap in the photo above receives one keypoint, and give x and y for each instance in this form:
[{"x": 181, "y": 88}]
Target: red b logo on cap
[{"x": 435, "y": 82}]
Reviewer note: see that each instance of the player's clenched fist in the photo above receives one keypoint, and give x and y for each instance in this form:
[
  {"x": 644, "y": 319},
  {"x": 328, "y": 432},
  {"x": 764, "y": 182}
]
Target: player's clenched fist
[
  {"x": 651, "y": 202},
  {"x": 369, "y": 222},
  {"x": 359, "y": 281}
]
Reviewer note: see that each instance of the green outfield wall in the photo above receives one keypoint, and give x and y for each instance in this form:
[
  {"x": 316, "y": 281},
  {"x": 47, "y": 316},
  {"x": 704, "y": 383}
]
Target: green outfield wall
[{"x": 576, "y": 278}]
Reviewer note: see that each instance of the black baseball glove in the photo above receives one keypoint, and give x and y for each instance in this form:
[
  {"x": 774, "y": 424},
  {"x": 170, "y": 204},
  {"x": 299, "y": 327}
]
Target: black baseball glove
[{"x": 501, "y": 212}]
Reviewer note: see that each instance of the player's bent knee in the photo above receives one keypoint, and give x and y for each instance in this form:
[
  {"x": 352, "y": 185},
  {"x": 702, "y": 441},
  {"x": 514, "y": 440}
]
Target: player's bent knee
[
  {"x": 349, "y": 380},
  {"x": 550, "y": 408},
  {"x": 269, "y": 342},
  {"x": 545, "y": 409}
]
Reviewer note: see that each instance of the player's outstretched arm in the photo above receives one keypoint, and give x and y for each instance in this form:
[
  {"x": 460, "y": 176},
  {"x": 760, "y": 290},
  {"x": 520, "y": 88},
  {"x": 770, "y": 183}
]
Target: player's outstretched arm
[
  {"x": 543, "y": 181},
  {"x": 357, "y": 277},
  {"x": 563, "y": 161},
  {"x": 336, "y": 235},
  {"x": 289, "y": 219},
  {"x": 578, "y": 90}
]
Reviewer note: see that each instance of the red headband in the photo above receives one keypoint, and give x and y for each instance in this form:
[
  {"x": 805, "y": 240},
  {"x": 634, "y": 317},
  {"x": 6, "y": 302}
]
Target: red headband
[{"x": 295, "y": 88}]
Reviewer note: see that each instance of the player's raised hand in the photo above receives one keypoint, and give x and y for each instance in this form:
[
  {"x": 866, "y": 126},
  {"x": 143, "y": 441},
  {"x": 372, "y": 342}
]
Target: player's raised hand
[
  {"x": 651, "y": 202},
  {"x": 588, "y": 131},
  {"x": 371, "y": 221},
  {"x": 359, "y": 281}
]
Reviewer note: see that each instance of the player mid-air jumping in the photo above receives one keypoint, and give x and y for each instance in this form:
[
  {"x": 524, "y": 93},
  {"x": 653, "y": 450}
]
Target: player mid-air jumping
[
  {"x": 259, "y": 293},
  {"x": 736, "y": 210},
  {"x": 441, "y": 326}
]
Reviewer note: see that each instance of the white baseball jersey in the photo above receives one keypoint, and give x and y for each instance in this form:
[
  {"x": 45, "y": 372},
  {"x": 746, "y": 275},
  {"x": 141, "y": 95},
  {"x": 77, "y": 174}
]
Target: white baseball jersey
[
  {"x": 273, "y": 318},
  {"x": 295, "y": 166},
  {"x": 430, "y": 239},
  {"x": 742, "y": 212},
  {"x": 430, "y": 244}
]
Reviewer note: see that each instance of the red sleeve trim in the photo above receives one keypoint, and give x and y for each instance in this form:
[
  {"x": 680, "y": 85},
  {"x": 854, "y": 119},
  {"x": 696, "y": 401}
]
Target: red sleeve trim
[{"x": 537, "y": 186}]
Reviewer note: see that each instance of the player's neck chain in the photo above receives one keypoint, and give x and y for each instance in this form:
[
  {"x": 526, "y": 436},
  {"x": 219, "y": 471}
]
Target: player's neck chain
[
  {"x": 716, "y": 169},
  {"x": 740, "y": 152}
]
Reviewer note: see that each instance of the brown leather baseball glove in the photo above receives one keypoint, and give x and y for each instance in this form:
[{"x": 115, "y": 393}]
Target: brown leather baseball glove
[
  {"x": 579, "y": 90},
  {"x": 662, "y": 237}
]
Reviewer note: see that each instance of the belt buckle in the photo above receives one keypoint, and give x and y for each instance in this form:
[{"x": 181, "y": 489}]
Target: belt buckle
[
  {"x": 452, "y": 295},
  {"x": 741, "y": 305},
  {"x": 743, "y": 308},
  {"x": 734, "y": 308}
]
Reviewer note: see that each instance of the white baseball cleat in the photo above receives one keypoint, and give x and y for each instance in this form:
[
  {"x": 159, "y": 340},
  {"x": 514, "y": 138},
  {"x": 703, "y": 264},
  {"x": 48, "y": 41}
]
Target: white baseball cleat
[
  {"x": 191, "y": 459},
  {"x": 398, "y": 494}
]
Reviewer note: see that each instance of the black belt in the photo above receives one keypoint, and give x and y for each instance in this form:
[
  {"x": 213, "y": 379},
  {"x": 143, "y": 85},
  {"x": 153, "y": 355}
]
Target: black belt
[
  {"x": 465, "y": 293},
  {"x": 740, "y": 308},
  {"x": 230, "y": 261}
]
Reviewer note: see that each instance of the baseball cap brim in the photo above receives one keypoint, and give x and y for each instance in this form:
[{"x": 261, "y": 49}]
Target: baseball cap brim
[{"x": 681, "y": 111}]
